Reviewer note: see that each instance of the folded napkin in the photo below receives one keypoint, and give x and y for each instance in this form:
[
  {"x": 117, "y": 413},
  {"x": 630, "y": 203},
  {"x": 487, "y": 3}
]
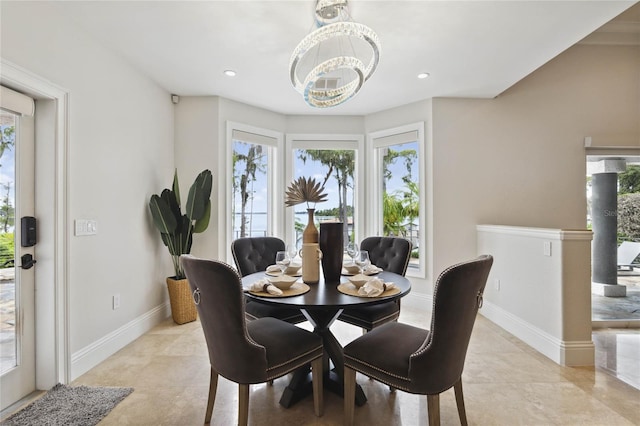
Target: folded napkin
[
  {"x": 265, "y": 286},
  {"x": 273, "y": 268},
  {"x": 374, "y": 288},
  {"x": 372, "y": 269}
]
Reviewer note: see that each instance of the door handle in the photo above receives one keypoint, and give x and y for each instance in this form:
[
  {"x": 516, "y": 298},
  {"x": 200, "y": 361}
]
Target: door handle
[{"x": 27, "y": 261}]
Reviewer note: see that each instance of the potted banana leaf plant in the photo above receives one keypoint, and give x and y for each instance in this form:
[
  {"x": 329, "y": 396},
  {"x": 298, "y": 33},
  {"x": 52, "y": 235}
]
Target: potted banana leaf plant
[{"x": 177, "y": 229}]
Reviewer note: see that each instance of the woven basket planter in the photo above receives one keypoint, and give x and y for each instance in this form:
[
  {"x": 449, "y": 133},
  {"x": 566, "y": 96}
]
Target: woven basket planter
[{"x": 183, "y": 309}]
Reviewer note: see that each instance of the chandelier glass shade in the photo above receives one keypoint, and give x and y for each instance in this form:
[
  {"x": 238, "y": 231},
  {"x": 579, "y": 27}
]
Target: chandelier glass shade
[{"x": 330, "y": 65}]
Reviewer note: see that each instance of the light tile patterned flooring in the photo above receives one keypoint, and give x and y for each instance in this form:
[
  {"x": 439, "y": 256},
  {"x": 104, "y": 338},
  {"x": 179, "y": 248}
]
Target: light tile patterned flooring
[
  {"x": 619, "y": 308},
  {"x": 505, "y": 382}
]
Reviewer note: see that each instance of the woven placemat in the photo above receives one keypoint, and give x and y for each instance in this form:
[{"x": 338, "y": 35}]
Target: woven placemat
[{"x": 295, "y": 290}]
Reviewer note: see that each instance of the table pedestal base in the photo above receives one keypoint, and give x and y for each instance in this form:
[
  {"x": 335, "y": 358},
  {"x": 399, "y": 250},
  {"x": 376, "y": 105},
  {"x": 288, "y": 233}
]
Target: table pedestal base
[
  {"x": 301, "y": 386},
  {"x": 333, "y": 379}
]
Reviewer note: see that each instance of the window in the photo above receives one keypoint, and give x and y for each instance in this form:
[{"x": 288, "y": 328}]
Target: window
[
  {"x": 384, "y": 198},
  {"x": 332, "y": 161},
  {"x": 252, "y": 187},
  {"x": 398, "y": 187}
]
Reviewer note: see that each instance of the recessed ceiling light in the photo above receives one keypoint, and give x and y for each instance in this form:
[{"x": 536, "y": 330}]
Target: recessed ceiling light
[
  {"x": 230, "y": 73},
  {"x": 423, "y": 75}
]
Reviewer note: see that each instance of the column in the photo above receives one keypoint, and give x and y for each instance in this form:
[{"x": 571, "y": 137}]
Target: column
[{"x": 604, "y": 216}]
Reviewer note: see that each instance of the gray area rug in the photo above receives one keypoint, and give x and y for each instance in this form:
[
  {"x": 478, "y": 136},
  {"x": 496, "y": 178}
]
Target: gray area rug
[{"x": 69, "y": 406}]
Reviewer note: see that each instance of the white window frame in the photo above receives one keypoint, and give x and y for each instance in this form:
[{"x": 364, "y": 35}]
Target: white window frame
[
  {"x": 355, "y": 142},
  {"x": 390, "y": 137},
  {"x": 275, "y": 142}
]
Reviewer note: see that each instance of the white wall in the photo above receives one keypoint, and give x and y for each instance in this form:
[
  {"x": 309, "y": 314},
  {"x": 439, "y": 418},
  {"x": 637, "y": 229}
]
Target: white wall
[
  {"x": 325, "y": 124},
  {"x": 197, "y": 148},
  {"x": 200, "y": 138},
  {"x": 539, "y": 288},
  {"x": 120, "y": 152}
]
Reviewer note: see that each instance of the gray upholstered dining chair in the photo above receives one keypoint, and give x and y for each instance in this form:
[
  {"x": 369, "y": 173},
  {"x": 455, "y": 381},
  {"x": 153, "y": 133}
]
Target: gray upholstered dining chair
[
  {"x": 391, "y": 254},
  {"x": 246, "y": 352},
  {"x": 419, "y": 361},
  {"x": 254, "y": 254}
]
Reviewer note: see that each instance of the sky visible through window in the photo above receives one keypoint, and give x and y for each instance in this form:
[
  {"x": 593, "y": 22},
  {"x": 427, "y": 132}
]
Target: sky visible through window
[{"x": 398, "y": 168}]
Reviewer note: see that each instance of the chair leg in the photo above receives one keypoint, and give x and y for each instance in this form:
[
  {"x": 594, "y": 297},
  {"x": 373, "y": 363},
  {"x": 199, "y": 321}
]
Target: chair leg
[
  {"x": 349, "y": 395},
  {"x": 316, "y": 377},
  {"x": 213, "y": 386},
  {"x": 457, "y": 388},
  {"x": 433, "y": 406},
  {"x": 243, "y": 405}
]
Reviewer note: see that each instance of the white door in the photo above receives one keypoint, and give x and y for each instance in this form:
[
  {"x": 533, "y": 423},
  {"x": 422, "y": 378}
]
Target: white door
[{"x": 17, "y": 306}]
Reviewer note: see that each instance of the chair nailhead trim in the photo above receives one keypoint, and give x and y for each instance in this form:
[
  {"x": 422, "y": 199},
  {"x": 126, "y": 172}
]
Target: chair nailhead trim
[
  {"x": 433, "y": 309},
  {"x": 294, "y": 367},
  {"x": 294, "y": 359},
  {"x": 386, "y": 382},
  {"x": 374, "y": 368}
]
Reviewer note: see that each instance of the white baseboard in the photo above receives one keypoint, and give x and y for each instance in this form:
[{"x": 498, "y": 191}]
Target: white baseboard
[
  {"x": 569, "y": 353},
  {"x": 90, "y": 356}
]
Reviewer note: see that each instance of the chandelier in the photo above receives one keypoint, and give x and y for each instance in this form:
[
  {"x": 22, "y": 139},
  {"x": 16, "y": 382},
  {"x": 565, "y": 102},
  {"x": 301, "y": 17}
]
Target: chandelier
[{"x": 330, "y": 65}]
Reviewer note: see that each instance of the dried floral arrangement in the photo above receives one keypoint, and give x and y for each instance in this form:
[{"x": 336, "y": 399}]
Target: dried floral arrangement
[{"x": 305, "y": 190}]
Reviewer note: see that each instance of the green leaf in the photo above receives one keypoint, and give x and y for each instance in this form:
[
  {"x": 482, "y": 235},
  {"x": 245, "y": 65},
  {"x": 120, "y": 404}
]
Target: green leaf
[
  {"x": 186, "y": 237},
  {"x": 167, "y": 239},
  {"x": 205, "y": 179},
  {"x": 162, "y": 215},
  {"x": 199, "y": 195},
  {"x": 176, "y": 229},
  {"x": 169, "y": 197},
  {"x": 176, "y": 187},
  {"x": 202, "y": 223}
]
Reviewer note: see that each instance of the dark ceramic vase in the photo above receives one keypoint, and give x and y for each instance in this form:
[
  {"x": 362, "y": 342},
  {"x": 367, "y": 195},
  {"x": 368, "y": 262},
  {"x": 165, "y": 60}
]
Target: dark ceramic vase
[{"x": 332, "y": 247}]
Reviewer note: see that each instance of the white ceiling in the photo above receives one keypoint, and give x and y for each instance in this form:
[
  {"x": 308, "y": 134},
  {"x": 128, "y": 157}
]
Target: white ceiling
[{"x": 470, "y": 48}]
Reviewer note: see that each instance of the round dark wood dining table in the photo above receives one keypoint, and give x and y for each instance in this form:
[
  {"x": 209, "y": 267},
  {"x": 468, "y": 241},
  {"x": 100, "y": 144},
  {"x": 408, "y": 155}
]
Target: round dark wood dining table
[{"x": 322, "y": 305}]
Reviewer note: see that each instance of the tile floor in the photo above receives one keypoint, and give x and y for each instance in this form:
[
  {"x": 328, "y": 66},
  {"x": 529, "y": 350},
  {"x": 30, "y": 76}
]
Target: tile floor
[
  {"x": 505, "y": 382},
  {"x": 612, "y": 309}
]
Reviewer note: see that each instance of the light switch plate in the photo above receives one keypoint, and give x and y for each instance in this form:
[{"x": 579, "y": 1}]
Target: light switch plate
[{"x": 85, "y": 227}]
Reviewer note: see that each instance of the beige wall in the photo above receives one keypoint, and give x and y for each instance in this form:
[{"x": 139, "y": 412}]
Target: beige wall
[{"x": 519, "y": 159}]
